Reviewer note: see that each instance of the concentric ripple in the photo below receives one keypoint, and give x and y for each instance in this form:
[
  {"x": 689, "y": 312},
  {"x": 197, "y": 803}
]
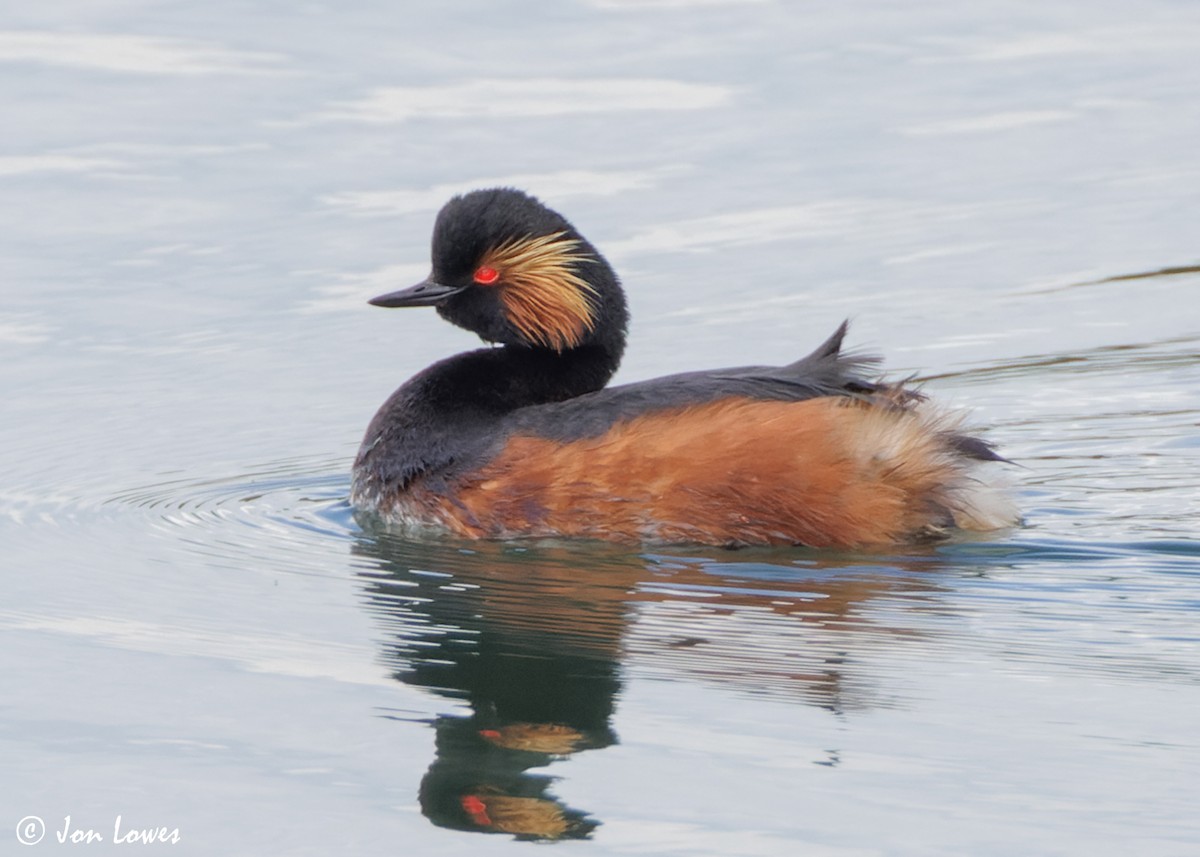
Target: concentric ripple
[
  {"x": 275, "y": 515},
  {"x": 293, "y": 492}
]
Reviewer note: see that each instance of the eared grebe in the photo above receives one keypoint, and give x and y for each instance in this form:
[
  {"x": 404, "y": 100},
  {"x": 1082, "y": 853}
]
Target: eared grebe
[{"x": 525, "y": 440}]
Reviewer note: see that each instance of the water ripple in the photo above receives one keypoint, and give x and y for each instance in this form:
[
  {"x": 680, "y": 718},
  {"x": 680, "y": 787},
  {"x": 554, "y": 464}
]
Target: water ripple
[{"x": 1108, "y": 359}]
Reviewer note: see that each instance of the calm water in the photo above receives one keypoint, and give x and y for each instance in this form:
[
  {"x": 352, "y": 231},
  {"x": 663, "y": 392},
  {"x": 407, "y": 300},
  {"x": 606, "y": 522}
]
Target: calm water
[{"x": 196, "y": 200}]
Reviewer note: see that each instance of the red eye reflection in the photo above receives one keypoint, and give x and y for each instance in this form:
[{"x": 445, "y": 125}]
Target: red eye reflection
[{"x": 486, "y": 276}]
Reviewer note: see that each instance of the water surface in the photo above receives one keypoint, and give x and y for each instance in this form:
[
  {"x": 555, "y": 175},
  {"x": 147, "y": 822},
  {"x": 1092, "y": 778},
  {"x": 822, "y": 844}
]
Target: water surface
[{"x": 197, "y": 201}]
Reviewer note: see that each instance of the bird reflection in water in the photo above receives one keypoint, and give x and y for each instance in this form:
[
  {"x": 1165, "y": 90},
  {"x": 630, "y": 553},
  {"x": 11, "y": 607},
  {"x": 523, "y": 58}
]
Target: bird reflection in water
[{"x": 533, "y": 640}]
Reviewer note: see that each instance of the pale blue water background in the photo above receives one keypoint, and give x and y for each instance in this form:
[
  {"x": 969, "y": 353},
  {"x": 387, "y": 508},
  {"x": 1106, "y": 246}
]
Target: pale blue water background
[{"x": 197, "y": 199}]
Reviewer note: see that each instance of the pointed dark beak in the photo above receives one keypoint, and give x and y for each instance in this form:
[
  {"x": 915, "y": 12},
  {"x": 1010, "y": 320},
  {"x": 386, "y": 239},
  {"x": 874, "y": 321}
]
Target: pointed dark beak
[{"x": 424, "y": 293}]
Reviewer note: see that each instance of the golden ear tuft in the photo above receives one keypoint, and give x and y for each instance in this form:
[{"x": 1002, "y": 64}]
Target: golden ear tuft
[{"x": 544, "y": 296}]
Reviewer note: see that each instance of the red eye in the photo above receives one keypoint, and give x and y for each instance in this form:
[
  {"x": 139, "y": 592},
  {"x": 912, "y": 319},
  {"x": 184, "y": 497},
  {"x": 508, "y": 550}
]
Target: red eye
[{"x": 486, "y": 276}]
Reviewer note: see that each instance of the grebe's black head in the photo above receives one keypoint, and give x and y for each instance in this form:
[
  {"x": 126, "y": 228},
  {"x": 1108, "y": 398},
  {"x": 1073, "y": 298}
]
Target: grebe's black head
[{"x": 517, "y": 273}]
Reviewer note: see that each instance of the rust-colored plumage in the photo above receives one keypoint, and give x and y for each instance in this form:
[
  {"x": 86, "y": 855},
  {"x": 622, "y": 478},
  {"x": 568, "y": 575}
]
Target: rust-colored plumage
[{"x": 824, "y": 472}]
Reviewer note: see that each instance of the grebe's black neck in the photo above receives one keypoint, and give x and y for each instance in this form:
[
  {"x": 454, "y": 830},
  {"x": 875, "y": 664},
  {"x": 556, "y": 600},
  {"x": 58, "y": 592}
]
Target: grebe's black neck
[{"x": 499, "y": 380}]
